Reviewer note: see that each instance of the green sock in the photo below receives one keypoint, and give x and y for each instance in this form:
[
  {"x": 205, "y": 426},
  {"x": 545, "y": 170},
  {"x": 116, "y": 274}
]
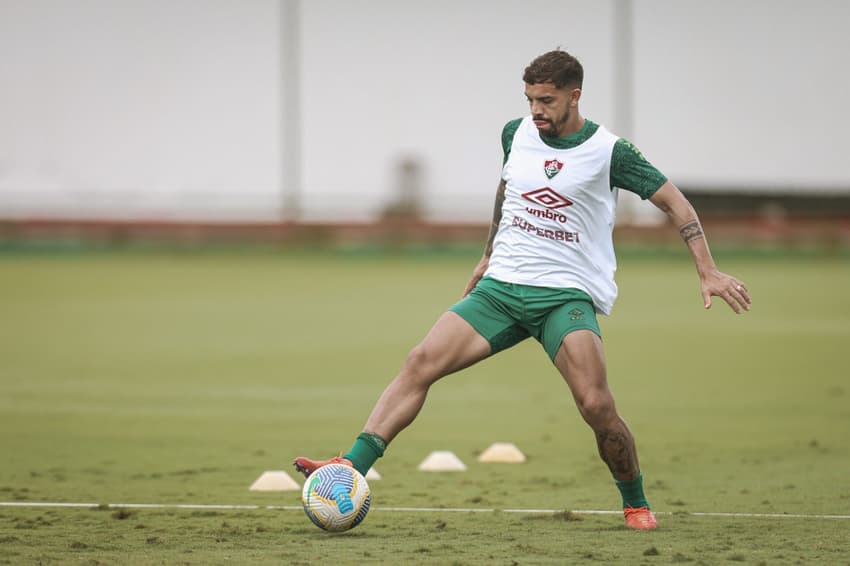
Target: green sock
[
  {"x": 366, "y": 450},
  {"x": 632, "y": 492}
]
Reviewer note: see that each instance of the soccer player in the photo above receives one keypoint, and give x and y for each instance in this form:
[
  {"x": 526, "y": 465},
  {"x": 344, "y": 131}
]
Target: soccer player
[{"x": 547, "y": 270}]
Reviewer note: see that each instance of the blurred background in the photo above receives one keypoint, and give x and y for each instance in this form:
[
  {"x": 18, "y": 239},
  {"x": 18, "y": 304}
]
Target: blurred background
[{"x": 275, "y": 118}]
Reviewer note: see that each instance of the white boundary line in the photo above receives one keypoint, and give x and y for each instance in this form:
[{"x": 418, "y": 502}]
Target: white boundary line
[{"x": 32, "y": 504}]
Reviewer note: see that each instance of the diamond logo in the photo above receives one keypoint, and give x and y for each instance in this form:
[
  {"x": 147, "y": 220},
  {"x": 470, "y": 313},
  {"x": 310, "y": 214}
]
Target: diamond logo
[{"x": 547, "y": 197}]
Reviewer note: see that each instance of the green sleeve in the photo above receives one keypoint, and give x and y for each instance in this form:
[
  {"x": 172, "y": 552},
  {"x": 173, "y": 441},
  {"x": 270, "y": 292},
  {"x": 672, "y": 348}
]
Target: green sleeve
[
  {"x": 508, "y": 137},
  {"x": 631, "y": 171}
]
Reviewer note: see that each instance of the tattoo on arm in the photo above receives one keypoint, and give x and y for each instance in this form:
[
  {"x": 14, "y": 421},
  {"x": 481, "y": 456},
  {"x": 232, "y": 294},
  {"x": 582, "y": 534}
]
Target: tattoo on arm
[
  {"x": 497, "y": 218},
  {"x": 691, "y": 231}
]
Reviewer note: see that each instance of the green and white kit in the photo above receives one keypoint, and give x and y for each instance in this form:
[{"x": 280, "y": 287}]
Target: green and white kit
[
  {"x": 555, "y": 234},
  {"x": 560, "y": 206}
]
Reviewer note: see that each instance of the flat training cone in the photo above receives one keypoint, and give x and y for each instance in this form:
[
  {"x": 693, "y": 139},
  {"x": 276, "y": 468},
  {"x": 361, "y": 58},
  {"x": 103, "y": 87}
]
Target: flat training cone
[
  {"x": 275, "y": 480},
  {"x": 506, "y": 452},
  {"x": 442, "y": 461},
  {"x": 372, "y": 474}
]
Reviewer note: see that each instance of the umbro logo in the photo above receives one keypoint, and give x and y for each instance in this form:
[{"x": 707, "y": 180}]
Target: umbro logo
[
  {"x": 576, "y": 314},
  {"x": 547, "y": 197}
]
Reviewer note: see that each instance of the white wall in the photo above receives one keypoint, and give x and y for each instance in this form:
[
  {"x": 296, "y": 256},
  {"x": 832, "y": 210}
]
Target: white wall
[
  {"x": 138, "y": 108},
  {"x": 172, "y": 108},
  {"x": 436, "y": 80},
  {"x": 750, "y": 92}
]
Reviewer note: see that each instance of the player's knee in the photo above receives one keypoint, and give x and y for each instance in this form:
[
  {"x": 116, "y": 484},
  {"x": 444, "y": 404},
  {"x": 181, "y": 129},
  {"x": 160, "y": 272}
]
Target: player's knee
[
  {"x": 597, "y": 409},
  {"x": 421, "y": 365}
]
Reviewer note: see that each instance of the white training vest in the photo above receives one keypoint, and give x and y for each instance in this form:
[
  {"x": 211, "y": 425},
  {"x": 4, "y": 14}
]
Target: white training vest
[{"x": 558, "y": 216}]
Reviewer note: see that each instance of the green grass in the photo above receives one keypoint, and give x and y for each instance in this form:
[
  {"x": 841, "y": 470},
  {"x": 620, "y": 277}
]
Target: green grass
[{"x": 179, "y": 378}]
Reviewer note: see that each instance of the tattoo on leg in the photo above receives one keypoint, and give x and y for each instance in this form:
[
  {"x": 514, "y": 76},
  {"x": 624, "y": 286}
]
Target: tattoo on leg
[
  {"x": 617, "y": 449},
  {"x": 691, "y": 231}
]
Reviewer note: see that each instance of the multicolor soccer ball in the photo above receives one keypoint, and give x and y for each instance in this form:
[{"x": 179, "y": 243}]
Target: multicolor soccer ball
[{"x": 336, "y": 497}]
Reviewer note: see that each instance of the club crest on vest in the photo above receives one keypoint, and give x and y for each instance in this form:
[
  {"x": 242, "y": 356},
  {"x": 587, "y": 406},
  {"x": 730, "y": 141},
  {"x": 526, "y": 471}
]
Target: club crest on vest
[{"x": 552, "y": 167}]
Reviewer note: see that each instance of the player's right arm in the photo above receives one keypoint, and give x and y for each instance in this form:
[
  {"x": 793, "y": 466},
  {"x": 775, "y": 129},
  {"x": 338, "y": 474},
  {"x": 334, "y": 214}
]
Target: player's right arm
[
  {"x": 508, "y": 132},
  {"x": 481, "y": 267}
]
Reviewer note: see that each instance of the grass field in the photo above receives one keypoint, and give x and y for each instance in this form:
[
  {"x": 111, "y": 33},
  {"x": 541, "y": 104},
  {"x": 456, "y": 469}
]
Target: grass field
[{"x": 155, "y": 378}]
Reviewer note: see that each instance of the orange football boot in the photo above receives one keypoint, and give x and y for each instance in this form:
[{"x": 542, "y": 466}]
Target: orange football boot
[
  {"x": 640, "y": 518},
  {"x": 307, "y": 466}
]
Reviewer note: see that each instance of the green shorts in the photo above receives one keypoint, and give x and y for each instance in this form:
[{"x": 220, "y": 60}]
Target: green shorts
[{"x": 507, "y": 313}]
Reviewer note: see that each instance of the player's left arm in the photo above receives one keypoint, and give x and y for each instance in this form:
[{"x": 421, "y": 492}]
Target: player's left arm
[{"x": 713, "y": 282}]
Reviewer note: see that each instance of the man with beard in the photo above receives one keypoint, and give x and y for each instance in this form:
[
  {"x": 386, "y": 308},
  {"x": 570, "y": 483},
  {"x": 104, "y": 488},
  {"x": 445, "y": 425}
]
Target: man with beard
[{"x": 547, "y": 270}]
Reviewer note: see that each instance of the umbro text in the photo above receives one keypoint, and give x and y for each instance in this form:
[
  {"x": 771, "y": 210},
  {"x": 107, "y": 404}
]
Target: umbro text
[{"x": 548, "y": 214}]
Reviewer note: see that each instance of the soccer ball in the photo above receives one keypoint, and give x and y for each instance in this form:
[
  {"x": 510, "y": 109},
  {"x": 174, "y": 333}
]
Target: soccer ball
[{"x": 336, "y": 497}]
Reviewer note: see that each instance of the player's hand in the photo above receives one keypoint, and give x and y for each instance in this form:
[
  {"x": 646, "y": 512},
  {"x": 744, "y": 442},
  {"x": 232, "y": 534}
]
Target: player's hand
[
  {"x": 477, "y": 274},
  {"x": 729, "y": 288}
]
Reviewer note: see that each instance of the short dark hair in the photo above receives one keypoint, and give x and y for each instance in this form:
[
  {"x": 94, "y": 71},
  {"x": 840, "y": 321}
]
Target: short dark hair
[{"x": 556, "y": 67}]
